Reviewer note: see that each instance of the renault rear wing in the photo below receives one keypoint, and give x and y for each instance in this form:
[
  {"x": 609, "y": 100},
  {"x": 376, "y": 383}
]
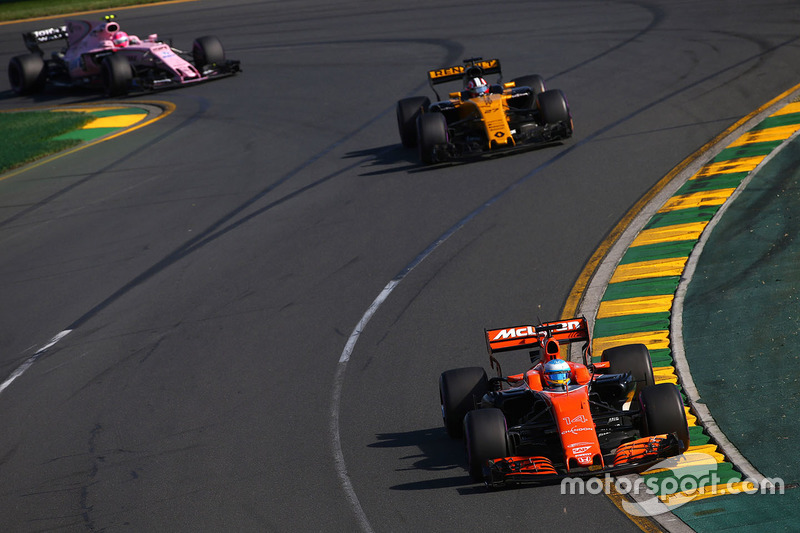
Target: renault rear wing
[{"x": 474, "y": 67}]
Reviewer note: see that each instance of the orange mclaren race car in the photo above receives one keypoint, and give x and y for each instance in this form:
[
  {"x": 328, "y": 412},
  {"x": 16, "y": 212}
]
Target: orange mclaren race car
[
  {"x": 562, "y": 419},
  {"x": 483, "y": 118}
]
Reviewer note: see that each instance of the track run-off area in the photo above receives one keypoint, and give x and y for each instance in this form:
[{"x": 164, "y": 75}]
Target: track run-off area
[{"x": 638, "y": 295}]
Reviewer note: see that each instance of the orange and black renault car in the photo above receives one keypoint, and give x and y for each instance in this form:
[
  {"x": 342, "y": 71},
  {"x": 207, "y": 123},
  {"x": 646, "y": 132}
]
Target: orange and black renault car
[{"x": 483, "y": 118}]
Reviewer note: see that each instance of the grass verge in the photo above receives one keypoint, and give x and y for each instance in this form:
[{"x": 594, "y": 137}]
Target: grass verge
[{"x": 29, "y": 135}]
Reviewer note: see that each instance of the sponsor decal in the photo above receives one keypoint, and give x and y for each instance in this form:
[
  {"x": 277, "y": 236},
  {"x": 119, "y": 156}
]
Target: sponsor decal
[
  {"x": 529, "y": 331},
  {"x": 458, "y": 70},
  {"x": 575, "y": 431},
  {"x": 574, "y": 420},
  {"x": 442, "y": 72},
  {"x": 569, "y": 325},
  {"x": 584, "y": 458},
  {"x": 513, "y": 333},
  {"x": 163, "y": 51},
  {"x": 55, "y": 33}
]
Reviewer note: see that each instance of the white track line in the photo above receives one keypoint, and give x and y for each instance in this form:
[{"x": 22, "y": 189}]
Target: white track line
[
  {"x": 338, "y": 382},
  {"x": 339, "y": 462},
  {"x": 32, "y": 359}
]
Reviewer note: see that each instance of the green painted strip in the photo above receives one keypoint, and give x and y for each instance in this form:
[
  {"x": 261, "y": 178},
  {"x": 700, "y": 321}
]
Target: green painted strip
[
  {"x": 118, "y": 112},
  {"x": 90, "y": 134},
  {"x": 661, "y": 250},
  {"x": 682, "y": 216},
  {"x": 622, "y": 325},
  {"x": 697, "y": 437},
  {"x": 87, "y": 134},
  {"x": 777, "y": 121},
  {"x": 747, "y": 150},
  {"x": 637, "y": 288},
  {"x": 729, "y": 180},
  {"x": 661, "y": 357}
]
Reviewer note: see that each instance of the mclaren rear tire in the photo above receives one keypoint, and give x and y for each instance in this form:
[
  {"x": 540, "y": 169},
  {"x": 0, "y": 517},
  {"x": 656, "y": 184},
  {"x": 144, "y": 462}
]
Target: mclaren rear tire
[
  {"x": 117, "y": 75},
  {"x": 207, "y": 50},
  {"x": 408, "y": 109},
  {"x": 633, "y": 358},
  {"x": 459, "y": 389},
  {"x": 27, "y": 74},
  {"x": 485, "y": 433},
  {"x": 431, "y": 132},
  {"x": 663, "y": 412}
]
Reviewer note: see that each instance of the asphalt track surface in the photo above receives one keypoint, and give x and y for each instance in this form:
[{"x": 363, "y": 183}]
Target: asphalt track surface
[{"x": 213, "y": 267}]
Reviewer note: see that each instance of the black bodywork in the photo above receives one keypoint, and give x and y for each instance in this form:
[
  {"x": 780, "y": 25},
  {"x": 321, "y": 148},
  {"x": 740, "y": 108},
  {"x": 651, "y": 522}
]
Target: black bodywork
[{"x": 532, "y": 428}]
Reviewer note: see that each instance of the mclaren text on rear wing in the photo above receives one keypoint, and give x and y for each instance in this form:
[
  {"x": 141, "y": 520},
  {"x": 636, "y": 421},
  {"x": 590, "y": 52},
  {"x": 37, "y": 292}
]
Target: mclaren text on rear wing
[
  {"x": 443, "y": 75},
  {"x": 517, "y": 337}
]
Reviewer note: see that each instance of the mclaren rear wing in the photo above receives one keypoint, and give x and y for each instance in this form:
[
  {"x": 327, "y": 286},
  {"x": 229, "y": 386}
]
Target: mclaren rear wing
[{"x": 518, "y": 337}]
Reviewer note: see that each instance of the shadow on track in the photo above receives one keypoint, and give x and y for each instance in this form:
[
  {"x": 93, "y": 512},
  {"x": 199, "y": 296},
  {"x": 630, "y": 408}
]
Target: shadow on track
[{"x": 437, "y": 453}]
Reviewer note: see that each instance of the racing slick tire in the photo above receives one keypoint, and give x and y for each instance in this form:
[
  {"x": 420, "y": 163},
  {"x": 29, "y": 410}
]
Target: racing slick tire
[
  {"x": 553, "y": 107},
  {"x": 536, "y": 84},
  {"x": 408, "y": 109},
  {"x": 431, "y": 132},
  {"x": 207, "y": 50},
  {"x": 534, "y": 81},
  {"x": 27, "y": 74},
  {"x": 633, "y": 358},
  {"x": 117, "y": 75},
  {"x": 486, "y": 438},
  {"x": 458, "y": 390},
  {"x": 663, "y": 412}
]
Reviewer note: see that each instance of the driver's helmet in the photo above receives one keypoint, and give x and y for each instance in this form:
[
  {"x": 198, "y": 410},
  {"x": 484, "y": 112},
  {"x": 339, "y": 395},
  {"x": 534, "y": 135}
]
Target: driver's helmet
[
  {"x": 556, "y": 373},
  {"x": 477, "y": 87},
  {"x": 120, "y": 39}
]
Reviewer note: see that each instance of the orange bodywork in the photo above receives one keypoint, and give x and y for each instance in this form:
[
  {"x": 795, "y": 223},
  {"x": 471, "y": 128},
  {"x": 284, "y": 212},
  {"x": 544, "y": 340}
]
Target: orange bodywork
[
  {"x": 640, "y": 450},
  {"x": 533, "y": 378},
  {"x": 533, "y": 466},
  {"x": 492, "y": 109},
  {"x": 572, "y": 415},
  {"x": 569, "y": 406},
  {"x": 576, "y": 427}
]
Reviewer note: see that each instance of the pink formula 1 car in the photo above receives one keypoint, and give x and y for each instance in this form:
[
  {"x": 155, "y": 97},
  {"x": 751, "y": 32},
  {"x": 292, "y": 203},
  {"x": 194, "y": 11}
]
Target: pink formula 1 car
[{"x": 100, "y": 55}]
